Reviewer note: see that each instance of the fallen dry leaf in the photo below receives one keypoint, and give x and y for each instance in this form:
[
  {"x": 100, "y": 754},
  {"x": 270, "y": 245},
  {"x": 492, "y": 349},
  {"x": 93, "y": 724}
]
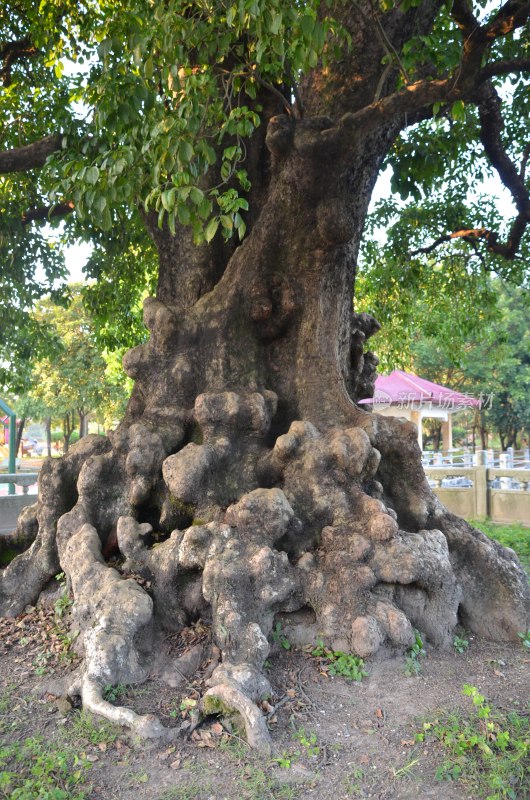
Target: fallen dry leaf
[{"x": 176, "y": 763}]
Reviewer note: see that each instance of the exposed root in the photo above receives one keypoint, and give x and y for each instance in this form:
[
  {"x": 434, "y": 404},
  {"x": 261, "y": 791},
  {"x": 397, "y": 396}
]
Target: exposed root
[
  {"x": 147, "y": 726},
  {"x": 337, "y": 549},
  {"x": 223, "y": 699}
]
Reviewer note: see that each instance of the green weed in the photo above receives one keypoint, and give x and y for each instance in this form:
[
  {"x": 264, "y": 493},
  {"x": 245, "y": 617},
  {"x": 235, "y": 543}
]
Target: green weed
[
  {"x": 285, "y": 760},
  {"x": 525, "y": 639},
  {"x": 460, "y": 644},
  {"x": 113, "y": 693},
  {"x": 279, "y": 636},
  {"x": 339, "y": 663},
  {"x": 489, "y": 750},
  {"x": 412, "y": 663},
  {"x": 353, "y": 782},
  {"x": 308, "y": 740}
]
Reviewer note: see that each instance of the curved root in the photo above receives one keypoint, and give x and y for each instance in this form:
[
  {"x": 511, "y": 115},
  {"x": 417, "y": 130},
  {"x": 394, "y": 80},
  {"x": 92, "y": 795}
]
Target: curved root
[
  {"x": 147, "y": 726},
  {"x": 224, "y": 698}
]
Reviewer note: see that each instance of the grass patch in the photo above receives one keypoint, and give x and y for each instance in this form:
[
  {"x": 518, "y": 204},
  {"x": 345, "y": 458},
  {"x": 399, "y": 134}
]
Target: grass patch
[
  {"x": 86, "y": 729},
  {"x": 488, "y": 750},
  {"x": 514, "y": 535},
  {"x": 37, "y": 769}
]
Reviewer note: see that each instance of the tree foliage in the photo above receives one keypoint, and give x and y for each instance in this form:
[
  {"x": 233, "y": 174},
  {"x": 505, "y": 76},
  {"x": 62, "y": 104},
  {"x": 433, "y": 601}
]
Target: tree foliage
[
  {"x": 73, "y": 380},
  {"x": 493, "y": 364}
]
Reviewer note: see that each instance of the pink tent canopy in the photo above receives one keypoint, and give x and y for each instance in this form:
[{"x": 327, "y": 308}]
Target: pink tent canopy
[{"x": 404, "y": 389}]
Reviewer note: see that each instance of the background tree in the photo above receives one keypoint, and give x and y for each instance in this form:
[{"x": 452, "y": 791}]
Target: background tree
[
  {"x": 75, "y": 380},
  {"x": 247, "y": 137},
  {"x": 492, "y": 364}
]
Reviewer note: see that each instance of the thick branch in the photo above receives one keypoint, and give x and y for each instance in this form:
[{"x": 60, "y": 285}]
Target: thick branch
[
  {"x": 491, "y": 127},
  {"x": 12, "y": 52},
  {"x": 512, "y": 15},
  {"x": 47, "y": 212},
  {"x": 505, "y": 68},
  {"x": 30, "y": 156}
]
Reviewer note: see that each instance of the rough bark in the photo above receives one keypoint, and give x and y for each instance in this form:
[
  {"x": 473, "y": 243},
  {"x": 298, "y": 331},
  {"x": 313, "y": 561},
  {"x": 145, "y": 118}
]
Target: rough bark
[{"x": 244, "y": 481}]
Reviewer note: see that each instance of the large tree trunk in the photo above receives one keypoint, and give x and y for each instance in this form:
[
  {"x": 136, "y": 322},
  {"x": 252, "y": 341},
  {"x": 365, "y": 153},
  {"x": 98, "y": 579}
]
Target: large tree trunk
[{"x": 245, "y": 458}]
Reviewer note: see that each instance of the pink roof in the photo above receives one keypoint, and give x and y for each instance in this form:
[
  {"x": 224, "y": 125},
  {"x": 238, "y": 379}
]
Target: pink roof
[{"x": 402, "y": 388}]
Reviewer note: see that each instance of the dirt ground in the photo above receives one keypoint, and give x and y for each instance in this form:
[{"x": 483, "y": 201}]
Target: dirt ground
[{"x": 333, "y": 738}]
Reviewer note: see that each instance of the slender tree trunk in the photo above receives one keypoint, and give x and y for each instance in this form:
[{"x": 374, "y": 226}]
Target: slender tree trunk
[
  {"x": 48, "y": 424},
  {"x": 83, "y": 422},
  {"x": 20, "y": 431},
  {"x": 68, "y": 429}
]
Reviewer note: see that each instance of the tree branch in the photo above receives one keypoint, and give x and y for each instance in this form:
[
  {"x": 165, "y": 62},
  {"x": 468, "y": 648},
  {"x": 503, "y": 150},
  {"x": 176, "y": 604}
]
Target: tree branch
[
  {"x": 504, "y": 68},
  {"x": 12, "y": 52},
  {"x": 30, "y": 156},
  {"x": 513, "y": 14},
  {"x": 468, "y": 234},
  {"x": 47, "y": 212}
]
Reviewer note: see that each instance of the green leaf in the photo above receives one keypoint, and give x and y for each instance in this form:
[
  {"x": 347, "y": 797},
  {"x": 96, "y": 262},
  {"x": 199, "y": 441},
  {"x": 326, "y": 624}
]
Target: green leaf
[
  {"x": 211, "y": 229},
  {"x": 186, "y": 151},
  {"x": 92, "y": 175},
  {"x": 168, "y": 199},
  {"x": 307, "y": 25},
  {"x": 196, "y": 195},
  {"x": 458, "y": 111}
]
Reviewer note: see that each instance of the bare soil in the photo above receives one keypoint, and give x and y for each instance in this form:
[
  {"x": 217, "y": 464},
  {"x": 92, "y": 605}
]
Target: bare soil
[{"x": 333, "y": 738}]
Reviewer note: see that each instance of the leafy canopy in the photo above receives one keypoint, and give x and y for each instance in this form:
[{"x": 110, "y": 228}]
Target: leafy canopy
[{"x": 153, "y": 105}]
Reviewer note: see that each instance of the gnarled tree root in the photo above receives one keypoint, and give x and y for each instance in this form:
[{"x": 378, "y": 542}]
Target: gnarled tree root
[{"x": 314, "y": 524}]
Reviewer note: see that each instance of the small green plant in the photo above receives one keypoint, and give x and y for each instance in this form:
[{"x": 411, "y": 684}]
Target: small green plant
[
  {"x": 40, "y": 663},
  {"x": 489, "y": 749},
  {"x": 412, "y": 663},
  {"x": 308, "y": 740},
  {"x": 340, "y": 663},
  {"x": 279, "y": 636},
  {"x": 460, "y": 644},
  {"x": 113, "y": 693},
  {"x": 285, "y": 760},
  {"x": 525, "y": 639},
  {"x": 353, "y": 782},
  {"x": 63, "y": 603}
]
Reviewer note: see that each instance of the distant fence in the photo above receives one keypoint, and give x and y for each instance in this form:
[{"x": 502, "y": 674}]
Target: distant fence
[
  {"x": 514, "y": 459},
  {"x": 11, "y": 506},
  {"x": 501, "y": 493}
]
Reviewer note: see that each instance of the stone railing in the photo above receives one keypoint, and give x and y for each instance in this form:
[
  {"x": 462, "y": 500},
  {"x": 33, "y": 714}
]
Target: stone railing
[
  {"x": 502, "y": 494},
  {"x": 510, "y": 458},
  {"x": 12, "y": 505},
  {"x": 24, "y": 479}
]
